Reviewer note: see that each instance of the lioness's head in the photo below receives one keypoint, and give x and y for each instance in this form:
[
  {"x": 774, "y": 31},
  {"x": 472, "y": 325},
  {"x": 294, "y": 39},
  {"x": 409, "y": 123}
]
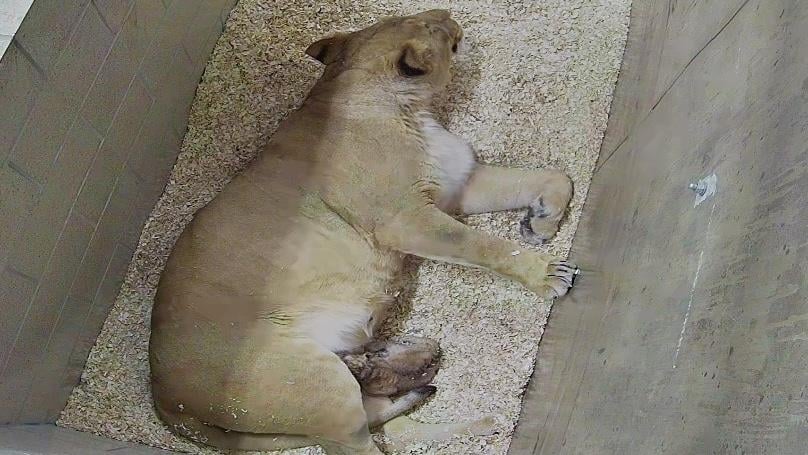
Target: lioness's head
[{"x": 414, "y": 50}]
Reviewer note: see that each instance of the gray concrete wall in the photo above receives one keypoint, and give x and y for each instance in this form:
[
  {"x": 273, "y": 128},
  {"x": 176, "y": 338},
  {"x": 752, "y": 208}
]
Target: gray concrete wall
[
  {"x": 94, "y": 97},
  {"x": 688, "y": 331}
]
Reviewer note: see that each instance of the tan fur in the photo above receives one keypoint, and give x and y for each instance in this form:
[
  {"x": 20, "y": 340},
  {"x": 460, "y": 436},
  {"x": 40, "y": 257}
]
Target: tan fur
[{"x": 299, "y": 255}]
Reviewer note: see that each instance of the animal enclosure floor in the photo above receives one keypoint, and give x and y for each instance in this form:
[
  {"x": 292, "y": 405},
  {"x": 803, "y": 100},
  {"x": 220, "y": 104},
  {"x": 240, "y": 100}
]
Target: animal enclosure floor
[{"x": 532, "y": 89}]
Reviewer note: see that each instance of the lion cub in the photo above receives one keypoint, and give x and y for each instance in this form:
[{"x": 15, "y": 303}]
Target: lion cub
[{"x": 393, "y": 367}]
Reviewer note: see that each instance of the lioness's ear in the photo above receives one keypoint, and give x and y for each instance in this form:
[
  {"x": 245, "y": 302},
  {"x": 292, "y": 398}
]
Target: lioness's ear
[
  {"x": 415, "y": 60},
  {"x": 327, "y": 50}
]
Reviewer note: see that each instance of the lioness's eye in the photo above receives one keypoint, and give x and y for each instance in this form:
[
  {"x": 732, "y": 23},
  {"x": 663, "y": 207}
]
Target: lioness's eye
[{"x": 454, "y": 47}]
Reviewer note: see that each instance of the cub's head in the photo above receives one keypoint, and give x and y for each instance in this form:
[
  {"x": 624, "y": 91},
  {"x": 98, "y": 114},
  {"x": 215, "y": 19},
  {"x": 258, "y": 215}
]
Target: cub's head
[
  {"x": 393, "y": 367},
  {"x": 409, "y": 52}
]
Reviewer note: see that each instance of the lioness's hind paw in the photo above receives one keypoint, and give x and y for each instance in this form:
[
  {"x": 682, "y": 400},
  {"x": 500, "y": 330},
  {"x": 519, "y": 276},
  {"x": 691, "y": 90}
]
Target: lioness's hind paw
[{"x": 560, "y": 278}]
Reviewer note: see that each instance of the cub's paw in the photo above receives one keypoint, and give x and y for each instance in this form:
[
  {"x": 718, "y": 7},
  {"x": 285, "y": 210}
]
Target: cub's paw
[
  {"x": 540, "y": 223},
  {"x": 559, "y": 279}
]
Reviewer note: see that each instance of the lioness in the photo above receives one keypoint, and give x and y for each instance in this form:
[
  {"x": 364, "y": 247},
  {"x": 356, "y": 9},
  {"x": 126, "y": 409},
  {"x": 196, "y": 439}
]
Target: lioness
[{"x": 297, "y": 258}]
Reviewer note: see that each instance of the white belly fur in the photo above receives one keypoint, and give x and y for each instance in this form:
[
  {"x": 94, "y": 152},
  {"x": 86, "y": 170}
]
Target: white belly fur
[
  {"x": 338, "y": 327},
  {"x": 452, "y": 156}
]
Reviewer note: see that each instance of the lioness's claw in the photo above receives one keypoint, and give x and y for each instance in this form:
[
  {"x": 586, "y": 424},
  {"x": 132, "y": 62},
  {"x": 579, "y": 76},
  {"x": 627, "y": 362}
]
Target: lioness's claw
[{"x": 560, "y": 277}]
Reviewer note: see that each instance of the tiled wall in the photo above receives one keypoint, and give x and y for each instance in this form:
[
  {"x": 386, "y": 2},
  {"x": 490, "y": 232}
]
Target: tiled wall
[{"x": 94, "y": 98}]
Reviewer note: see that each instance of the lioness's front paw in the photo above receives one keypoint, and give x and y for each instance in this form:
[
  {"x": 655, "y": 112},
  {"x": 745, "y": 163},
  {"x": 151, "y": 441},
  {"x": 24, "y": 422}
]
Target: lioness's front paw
[
  {"x": 540, "y": 223},
  {"x": 559, "y": 279}
]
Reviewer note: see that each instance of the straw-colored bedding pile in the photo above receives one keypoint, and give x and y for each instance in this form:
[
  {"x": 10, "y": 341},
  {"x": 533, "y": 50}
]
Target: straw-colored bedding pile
[{"x": 531, "y": 89}]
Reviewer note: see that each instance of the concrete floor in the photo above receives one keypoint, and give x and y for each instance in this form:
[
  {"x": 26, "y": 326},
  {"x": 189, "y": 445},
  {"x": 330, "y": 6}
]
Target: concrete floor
[{"x": 688, "y": 332}]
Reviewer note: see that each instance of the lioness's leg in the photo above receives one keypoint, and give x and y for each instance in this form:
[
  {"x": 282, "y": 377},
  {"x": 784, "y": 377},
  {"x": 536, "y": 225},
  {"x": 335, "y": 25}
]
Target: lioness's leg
[
  {"x": 401, "y": 430},
  {"x": 432, "y": 234},
  {"x": 191, "y": 428},
  {"x": 297, "y": 388},
  {"x": 545, "y": 192},
  {"x": 382, "y": 409}
]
